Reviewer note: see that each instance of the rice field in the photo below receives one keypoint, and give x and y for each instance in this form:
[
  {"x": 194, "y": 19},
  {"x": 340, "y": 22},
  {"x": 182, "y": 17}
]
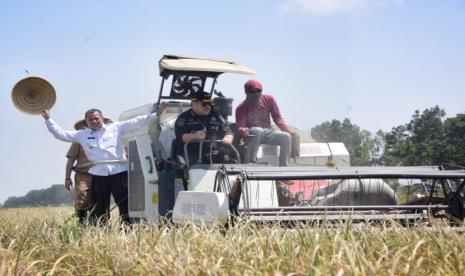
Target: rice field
[{"x": 48, "y": 241}]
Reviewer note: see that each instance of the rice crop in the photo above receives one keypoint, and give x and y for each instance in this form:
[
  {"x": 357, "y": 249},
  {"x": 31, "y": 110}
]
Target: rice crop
[{"x": 48, "y": 241}]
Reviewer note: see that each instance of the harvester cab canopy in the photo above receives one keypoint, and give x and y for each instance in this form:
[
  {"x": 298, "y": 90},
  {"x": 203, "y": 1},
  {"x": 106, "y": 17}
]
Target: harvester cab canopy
[
  {"x": 181, "y": 77},
  {"x": 190, "y": 75},
  {"x": 215, "y": 67}
]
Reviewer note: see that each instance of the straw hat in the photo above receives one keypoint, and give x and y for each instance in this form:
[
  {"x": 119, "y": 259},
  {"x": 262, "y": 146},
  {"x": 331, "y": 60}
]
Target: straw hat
[
  {"x": 33, "y": 95},
  {"x": 82, "y": 123}
]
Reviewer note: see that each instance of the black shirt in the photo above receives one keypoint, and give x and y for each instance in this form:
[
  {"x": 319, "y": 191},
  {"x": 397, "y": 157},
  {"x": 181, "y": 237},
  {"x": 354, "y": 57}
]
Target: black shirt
[{"x": 189, "y": 122}]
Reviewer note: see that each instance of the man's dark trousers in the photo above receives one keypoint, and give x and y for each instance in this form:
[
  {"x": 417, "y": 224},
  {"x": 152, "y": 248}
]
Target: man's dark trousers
[{"x": 105, "y": 186}]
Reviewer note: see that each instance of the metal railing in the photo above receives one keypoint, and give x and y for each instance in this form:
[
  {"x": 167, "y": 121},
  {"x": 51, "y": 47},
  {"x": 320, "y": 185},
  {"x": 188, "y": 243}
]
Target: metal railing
[{"x": 210, "y": 143}]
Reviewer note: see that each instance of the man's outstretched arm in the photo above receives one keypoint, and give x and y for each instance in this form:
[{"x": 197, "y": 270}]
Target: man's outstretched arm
[
  {"x": 56, "y": 130},
  {"x": 137, "y": 122}
]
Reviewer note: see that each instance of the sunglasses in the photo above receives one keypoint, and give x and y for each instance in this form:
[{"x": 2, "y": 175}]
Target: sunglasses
[
  {"x": 207, "y": 104},
  {"x": 254, "y": 91},
  {"x": 204, "y": 104}
]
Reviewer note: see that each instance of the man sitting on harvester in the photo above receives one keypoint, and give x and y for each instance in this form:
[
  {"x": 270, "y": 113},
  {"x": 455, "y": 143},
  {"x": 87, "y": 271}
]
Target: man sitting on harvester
[
  {"x": 253, "y": 121},
  {"x": 201, "y": 122}
]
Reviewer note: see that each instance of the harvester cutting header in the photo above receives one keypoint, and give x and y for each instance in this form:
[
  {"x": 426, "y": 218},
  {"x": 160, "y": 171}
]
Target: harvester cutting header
[{"x": 203, "y": 177}]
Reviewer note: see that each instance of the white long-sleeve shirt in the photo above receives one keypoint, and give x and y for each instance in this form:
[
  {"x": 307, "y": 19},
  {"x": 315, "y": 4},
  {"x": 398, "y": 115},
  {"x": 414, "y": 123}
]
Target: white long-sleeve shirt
[{"x": 104, "y": 144}]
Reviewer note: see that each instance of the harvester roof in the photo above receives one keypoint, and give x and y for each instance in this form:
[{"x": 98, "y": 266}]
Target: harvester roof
[{"x": 192, "y": 64}]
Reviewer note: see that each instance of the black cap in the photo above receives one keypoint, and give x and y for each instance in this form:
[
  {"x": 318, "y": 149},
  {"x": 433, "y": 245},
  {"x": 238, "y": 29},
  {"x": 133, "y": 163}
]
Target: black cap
[{"x": 202, "y": 96}]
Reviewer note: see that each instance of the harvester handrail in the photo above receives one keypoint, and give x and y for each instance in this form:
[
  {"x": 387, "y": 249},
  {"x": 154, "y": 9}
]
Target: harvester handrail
[
  {"x": 211, "y": 142},
  {"x": 354, "y": 208},
  {"x": 312, "y": 173}
]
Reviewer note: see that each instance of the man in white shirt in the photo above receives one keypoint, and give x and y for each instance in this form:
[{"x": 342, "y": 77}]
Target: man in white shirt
[{"x": 101, "y": 143}]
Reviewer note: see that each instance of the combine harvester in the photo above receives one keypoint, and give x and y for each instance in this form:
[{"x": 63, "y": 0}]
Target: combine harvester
[{"x": 308, "y": 190}]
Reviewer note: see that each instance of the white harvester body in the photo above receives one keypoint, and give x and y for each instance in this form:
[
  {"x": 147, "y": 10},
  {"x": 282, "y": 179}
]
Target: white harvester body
[
  {"x": 144, "y": 183},
  {"x": 318, "y": 184}
]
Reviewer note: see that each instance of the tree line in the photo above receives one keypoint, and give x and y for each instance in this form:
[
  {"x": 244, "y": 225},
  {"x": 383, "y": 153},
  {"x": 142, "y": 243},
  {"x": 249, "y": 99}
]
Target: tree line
[
  {"x": 428, "y": 139},
  {"x": 55, "y": 195}
]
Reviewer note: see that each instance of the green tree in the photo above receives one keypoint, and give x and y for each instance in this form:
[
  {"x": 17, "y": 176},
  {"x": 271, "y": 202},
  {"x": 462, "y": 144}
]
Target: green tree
[
  {"x": 419, "y": 142},
  {"x": 379, "y": 141},
  {"x": 360, "y": 143},
  {"x": 455, "y": 139}
]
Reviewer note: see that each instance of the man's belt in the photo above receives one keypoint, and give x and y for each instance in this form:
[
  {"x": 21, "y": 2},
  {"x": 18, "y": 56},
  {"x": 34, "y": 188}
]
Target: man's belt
[{"x": 88, "y": 165}]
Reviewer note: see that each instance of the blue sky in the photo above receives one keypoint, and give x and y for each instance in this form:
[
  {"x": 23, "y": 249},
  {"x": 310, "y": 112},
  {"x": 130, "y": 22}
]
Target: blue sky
[{"x": 373, "y": 61}]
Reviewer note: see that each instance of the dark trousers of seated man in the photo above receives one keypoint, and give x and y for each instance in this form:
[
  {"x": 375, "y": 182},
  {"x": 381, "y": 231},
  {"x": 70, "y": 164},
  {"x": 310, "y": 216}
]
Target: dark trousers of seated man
[{"x": 102, "y": 189}]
